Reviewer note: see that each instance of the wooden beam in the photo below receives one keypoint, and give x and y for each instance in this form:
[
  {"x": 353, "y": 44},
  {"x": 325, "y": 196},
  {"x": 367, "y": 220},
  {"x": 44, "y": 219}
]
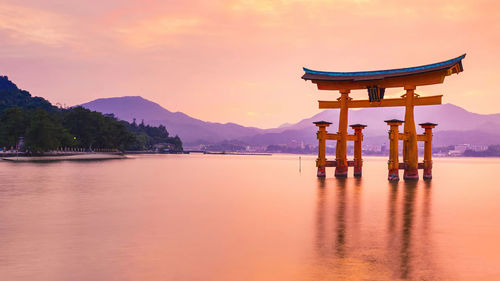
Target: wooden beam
[
  {"x": 352, "y": 137},
  {"x": 421, "y": 137},
  {"x": 332, "y": 136},
  {"x": 431, "y": 100},
  {"x": 402, "y": 166},
  {"x": 402, "y": 136},
  {"x": 333, "y": 163}
]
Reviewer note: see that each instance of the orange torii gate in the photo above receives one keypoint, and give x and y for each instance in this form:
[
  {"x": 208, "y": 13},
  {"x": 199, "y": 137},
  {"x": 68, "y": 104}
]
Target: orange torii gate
[{"x": 376, "y": 82}]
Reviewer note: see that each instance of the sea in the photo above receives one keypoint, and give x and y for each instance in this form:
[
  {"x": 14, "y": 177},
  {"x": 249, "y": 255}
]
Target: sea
[{"x": 247, "y": 217}]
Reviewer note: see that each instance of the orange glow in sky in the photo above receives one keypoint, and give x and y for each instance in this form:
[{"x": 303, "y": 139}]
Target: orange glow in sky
[{"x": 240, "y": 60}]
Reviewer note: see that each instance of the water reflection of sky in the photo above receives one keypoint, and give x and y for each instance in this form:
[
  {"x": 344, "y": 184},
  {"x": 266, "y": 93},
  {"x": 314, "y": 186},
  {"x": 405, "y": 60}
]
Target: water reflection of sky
[
  {"x": 345, "y": 247},
  {"x": 196, "y": 217}
]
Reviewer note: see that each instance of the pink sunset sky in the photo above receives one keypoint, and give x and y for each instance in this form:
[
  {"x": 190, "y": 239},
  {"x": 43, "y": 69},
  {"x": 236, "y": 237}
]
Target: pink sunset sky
[{"x": 241, "y": 61}]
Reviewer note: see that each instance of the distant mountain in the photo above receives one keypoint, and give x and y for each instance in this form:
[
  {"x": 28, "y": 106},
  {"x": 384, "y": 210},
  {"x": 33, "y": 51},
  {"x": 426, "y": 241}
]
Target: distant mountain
[
  {"x": 189, "y": 129},
  {"x": 456, "y": 125},
  {"x": 285, "y": 125}
]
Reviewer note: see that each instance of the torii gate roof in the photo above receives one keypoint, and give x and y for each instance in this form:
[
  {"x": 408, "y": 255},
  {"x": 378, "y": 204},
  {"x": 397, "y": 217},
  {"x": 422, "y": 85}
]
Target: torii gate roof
[{"x": 400, "y": 77}]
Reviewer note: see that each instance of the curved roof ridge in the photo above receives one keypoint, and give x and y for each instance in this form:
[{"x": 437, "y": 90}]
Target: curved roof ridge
[{"x": 388, "y": 71}]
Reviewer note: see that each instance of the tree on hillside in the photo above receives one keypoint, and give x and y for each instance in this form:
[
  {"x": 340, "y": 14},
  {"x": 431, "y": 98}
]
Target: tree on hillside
[
  {"x": 13, "y": 124},
  {"x": 83, "y": 125},
  {"x": 44, "y": 134},
  {"x": 147, "y": 136},
  {"x": 95, "y": 130}
]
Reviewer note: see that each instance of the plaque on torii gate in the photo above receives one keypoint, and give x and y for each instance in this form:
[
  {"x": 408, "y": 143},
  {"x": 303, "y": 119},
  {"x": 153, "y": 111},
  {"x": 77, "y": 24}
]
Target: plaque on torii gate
[{"x": 376, "y": 82}]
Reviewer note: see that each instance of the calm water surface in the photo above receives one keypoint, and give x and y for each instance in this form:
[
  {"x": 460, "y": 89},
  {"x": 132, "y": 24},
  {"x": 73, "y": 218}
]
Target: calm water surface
[{"x": 214, "y": 217}]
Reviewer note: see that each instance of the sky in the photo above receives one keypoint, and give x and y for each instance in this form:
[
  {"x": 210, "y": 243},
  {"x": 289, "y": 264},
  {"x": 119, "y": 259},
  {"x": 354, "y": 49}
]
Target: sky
[{"x": 239, "y": 60}]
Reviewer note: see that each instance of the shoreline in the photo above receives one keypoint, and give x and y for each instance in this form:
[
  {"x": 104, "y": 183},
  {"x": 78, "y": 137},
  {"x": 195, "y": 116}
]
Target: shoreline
[
  {"x": 99, "y": 156},
  {"x": 73, "y": 157}
]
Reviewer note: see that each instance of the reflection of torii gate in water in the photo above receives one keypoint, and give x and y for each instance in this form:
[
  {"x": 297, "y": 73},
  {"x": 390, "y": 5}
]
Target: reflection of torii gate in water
[{"x": 376, "y": 82}]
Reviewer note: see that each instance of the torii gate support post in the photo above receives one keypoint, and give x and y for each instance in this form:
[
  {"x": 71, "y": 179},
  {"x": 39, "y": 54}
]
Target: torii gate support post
[
  {"x": 321, "y": 135},
  {"x": 410, "y": 149},
  {"x": 428, "y": 149},
  {"x": 341, "y": 149},
  {"x": 358, "y": 160},
  {"x": 394, "y": 137}
]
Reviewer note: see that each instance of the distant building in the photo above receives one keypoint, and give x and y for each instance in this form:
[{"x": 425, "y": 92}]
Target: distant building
[
  {"x": 455, "y": 153},
  {"x": 458, "y": 150},
  {"x": 295, "y": 144},
  {"x": 372, "y": 148},
  {"x": 164, "y": 147},
  {"x": 478, "y": 148},
  {"x": 462, "y": 147}
]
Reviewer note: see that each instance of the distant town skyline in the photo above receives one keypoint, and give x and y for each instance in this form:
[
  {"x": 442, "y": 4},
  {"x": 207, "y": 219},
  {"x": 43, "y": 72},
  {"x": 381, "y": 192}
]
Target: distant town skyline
[{"x": 240, "y": 61}]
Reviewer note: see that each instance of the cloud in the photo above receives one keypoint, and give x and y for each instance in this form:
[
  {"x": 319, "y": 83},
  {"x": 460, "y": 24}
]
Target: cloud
[
  {"x": 159, "y": 30},
  {"x": 24, "y": 24},
  {"x": 240, "y": 54}
]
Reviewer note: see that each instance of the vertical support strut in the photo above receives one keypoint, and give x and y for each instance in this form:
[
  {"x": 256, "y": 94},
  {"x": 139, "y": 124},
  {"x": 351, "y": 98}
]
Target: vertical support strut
[
  {"x": 428, "y": 149},
  {"x": 341, "y": 150},
  {"x": 358, "y": 160},
  {"x": 321, "y": 135},
  {"x": 410, "y": 150},
  {"x": 393, "y": 163}
]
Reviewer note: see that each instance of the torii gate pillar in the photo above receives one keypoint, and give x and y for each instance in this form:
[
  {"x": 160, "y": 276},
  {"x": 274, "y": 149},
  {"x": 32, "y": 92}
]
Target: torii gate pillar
[
  {"x": 358, "y": 138},
  {"x": 321, "y": 135},
  {"x": 428, "y": 149},
  {"x": 394, "y": 137},
  {"x": 410, "y": 149},
  {"x": 341, "y": 149}
]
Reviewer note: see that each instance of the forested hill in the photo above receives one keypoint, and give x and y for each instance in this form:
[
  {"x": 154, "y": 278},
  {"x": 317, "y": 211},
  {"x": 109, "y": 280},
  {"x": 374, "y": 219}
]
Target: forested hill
[
  {"x": 6, "y": 84},
  {"x": 44, "y": 127},
  {"x": 11, "y": 95}
]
